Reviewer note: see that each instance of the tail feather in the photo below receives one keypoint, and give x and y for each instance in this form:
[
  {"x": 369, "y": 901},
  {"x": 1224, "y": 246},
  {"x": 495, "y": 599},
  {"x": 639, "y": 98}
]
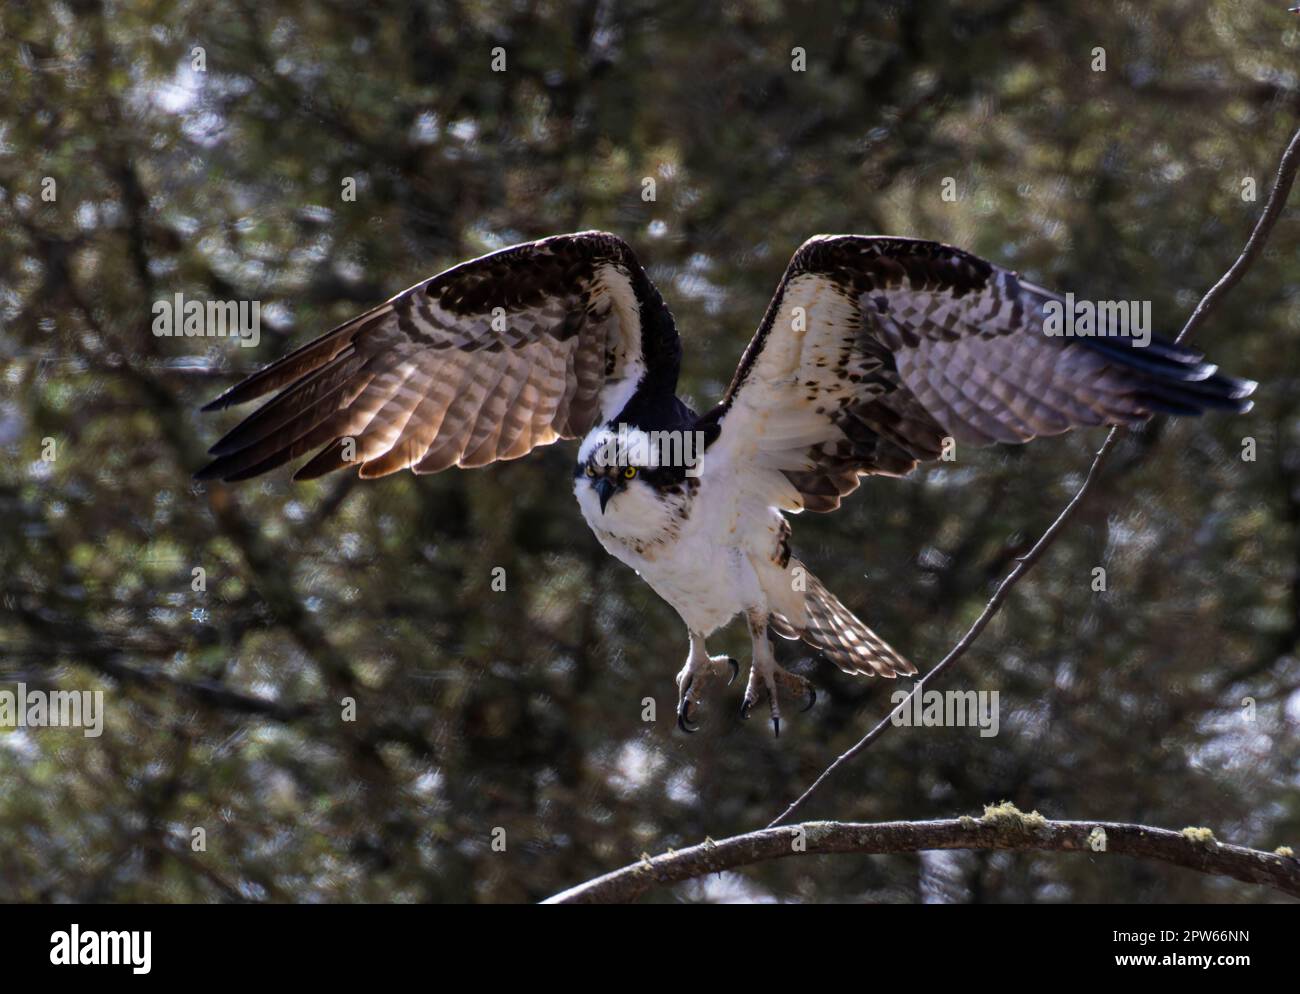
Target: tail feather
[{"x": 832, "y": 628}]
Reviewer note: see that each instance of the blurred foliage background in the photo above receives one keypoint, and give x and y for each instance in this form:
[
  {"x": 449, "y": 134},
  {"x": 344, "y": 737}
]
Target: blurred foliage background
[{"x": 522, "y": 710}]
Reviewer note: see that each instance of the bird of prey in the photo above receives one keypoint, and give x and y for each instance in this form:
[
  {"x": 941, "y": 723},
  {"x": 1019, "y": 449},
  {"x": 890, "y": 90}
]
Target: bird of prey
[{"x": 874, "y": 354}]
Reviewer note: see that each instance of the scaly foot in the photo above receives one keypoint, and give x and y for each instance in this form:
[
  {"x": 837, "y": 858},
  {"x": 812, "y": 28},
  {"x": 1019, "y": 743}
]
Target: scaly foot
[
  {"x": 695, "y": 681},
  {"x": 767, "y": 677}
]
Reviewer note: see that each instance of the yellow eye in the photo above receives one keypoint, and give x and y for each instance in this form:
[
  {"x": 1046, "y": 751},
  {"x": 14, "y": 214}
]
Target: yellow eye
[
  {"x": 629, "y": 473},
  {"x": 591, "y": 470}
]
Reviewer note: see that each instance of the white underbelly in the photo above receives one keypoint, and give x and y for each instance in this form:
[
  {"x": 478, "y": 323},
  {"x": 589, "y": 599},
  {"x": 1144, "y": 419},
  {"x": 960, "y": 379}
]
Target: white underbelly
[
  {"x": 704, "y": 564},
  {"x": 703, "y": 583}
]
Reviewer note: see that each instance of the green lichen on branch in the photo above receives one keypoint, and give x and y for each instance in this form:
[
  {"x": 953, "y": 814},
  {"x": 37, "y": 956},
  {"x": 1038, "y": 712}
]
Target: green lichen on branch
[
  {"x": 1200, "y": 836},
  {"x": 1007, "y": 815}
]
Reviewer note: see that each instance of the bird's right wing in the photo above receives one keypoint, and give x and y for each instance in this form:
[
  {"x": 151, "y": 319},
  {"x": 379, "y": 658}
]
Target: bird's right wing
[{"x": 480, "y": 363}]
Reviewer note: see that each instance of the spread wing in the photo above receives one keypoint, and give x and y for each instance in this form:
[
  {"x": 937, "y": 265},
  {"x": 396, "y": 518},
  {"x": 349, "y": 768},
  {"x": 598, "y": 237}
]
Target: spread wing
[
  {"x": 482, "y": 362},
  {"x": 875, "y": 349}
]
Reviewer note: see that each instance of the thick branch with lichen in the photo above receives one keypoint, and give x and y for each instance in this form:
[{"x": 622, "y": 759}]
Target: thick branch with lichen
[{"x": 1002, "y": 827}]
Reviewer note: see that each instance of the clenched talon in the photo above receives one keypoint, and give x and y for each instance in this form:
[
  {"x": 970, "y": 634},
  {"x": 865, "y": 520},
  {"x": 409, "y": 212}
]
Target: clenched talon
[
  {"x": 768, "y": 679},
  {"x": 684, "y": 708},
  {"x": 701, "y": 673}
]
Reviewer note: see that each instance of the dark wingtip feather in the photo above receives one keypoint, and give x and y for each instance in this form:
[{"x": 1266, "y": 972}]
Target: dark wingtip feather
[
  {"x": 1159, "y": 358},
  {"x": 1227, "y": 392},
  {"x": 249, "y": 388},
  {"x": 1242, "y": 387},
  {"x": 1218, "y": 392},
  {"x": 217, "y": 404},
  {"x": 327, "y": 460},
  {"x": 1174, "y": 379},
  {"x": 301, "y": 362}
]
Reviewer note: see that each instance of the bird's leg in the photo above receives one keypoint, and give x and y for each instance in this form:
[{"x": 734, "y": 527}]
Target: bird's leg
[
  {"x": 697, "y": 678},
  {"x": 767, "y": 677}
]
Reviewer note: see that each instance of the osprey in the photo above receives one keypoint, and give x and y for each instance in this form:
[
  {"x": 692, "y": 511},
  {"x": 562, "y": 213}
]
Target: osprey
[{"x": 874, "y": 354}]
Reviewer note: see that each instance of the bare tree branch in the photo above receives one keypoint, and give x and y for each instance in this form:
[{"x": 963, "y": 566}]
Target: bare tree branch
[
  {"x": 1254, "y": 245},
  {"x": 1002, "y": 827}
]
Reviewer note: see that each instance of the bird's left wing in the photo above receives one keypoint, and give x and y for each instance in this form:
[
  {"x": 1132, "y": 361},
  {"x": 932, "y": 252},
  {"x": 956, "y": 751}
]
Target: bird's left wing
[
  {"x": 874, "y": 350},
  {"x": 482, "y": 362}
]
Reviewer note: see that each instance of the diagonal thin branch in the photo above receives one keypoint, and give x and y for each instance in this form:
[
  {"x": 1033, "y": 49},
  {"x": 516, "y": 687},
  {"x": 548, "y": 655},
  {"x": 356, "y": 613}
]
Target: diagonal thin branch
[
  {"x": 1002, "y": 827},
  {"x": 1277, "y": 198}
]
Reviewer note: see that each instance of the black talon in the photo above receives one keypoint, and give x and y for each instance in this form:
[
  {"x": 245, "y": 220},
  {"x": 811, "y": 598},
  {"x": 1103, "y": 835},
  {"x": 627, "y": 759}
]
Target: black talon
[
  {"x": 776, "y": 725},
  {"x": 812, "y": 698},
  {"x": 735, "y": 671},
  {"x": 684, "y": 709}
]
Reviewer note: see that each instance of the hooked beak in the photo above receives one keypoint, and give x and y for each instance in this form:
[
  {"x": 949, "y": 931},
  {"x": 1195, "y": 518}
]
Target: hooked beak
[{"x": 605, "y": 490}]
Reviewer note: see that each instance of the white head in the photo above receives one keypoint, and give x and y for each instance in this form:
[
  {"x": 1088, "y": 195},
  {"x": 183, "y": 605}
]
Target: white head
[{"x": 630, "y": 486}]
